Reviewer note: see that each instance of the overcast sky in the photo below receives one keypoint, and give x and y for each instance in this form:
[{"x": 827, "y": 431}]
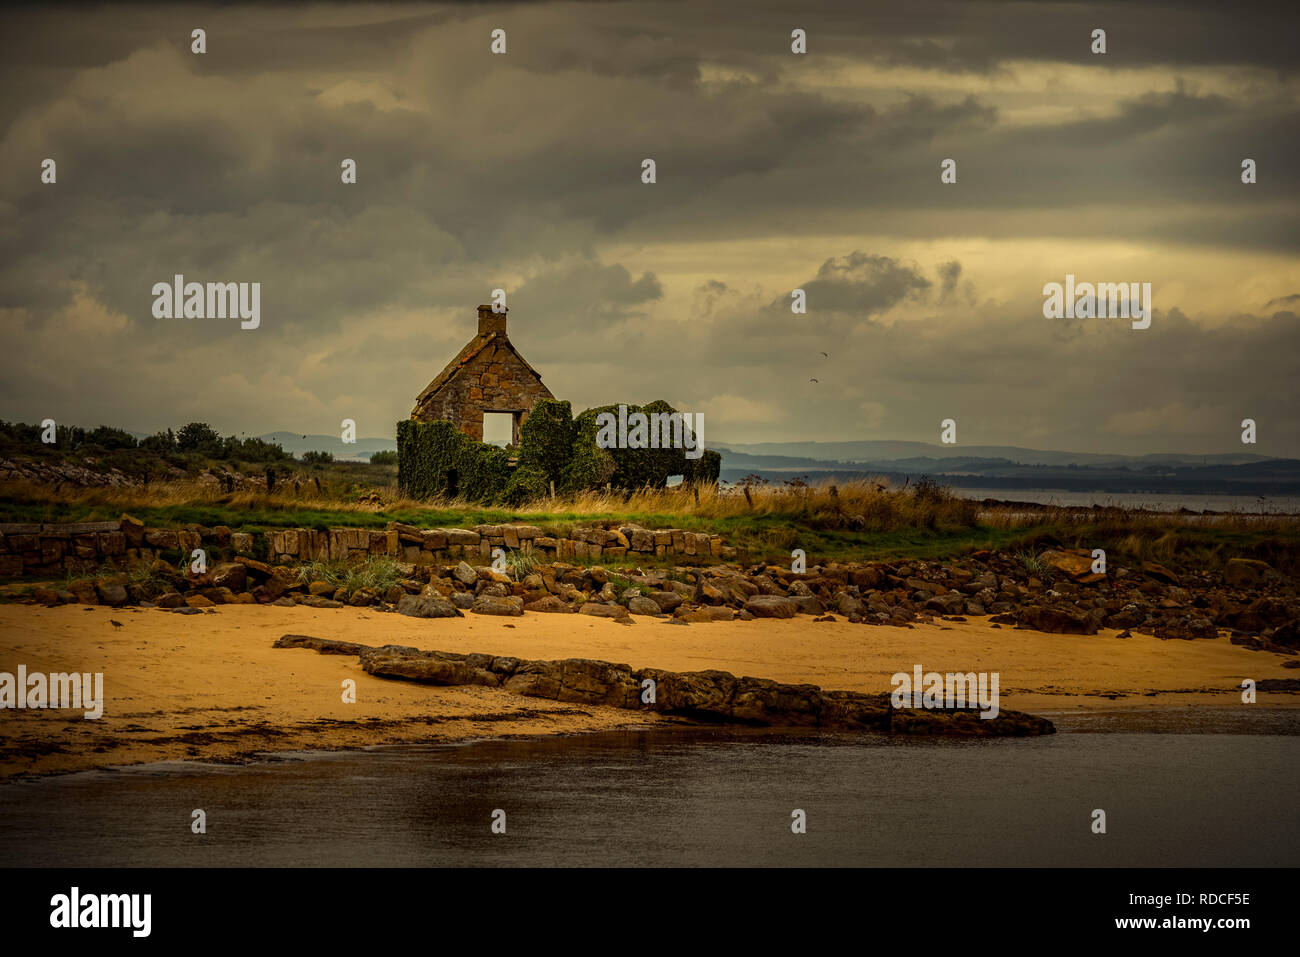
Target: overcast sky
[{"x": 775, "y": 171}]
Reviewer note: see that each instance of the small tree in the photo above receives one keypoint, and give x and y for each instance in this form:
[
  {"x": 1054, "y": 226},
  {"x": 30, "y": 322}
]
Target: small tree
[{"x": 195, "y": 436}]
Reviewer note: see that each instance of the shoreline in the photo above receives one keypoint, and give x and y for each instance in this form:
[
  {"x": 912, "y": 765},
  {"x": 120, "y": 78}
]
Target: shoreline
[
  {"x": 665, "y": 725},
  {"x": 1129, "y": 721},
  {"x": 211, "y": 686}
]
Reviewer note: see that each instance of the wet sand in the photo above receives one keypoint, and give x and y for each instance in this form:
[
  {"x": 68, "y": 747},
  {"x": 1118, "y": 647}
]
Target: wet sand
[{"x": 211, "y": 686}]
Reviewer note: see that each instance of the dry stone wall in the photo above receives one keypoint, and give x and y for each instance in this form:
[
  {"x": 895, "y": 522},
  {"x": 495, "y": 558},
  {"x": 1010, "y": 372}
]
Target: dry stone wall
[{"x": 56, "y": 549}]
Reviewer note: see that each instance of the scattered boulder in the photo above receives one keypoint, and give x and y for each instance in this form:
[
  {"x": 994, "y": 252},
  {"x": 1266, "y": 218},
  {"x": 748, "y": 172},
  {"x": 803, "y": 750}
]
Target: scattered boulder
[
  {"x": 111, "y": 593},
  {"x": 1160, "y": 573},
  {"x": 1187, "y": 629},
  {"x": 45, "y": 596},
  {"x": 1286, "y": 635},
  {"x": 1058, "y": 619},
  {"x": 950, "y": 604},
  {"x": 232, "y": 575},
  {"x": 1075, "y": 564},
  {"x": 771, "y": 606},
  {"x": 807, "y": 604},
  {"x": 666, "y": 600},
  {"x": 497, "y": 605},
  {"x": 693, "y": 616},
  {"x": 549, "y": 604},
  {"x": 603, "y": 610},
  {"x": 427, "y": 606},
  {"x": 849, "y": 606},
  {"x": 640, "y": 605},
  {"x": 1247, "y": 572}
]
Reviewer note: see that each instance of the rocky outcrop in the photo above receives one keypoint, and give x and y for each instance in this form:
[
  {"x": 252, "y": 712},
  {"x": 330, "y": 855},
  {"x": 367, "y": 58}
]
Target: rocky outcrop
[
  {"x": 716, "y": 696},
  {"x": 326, "y": 646}
]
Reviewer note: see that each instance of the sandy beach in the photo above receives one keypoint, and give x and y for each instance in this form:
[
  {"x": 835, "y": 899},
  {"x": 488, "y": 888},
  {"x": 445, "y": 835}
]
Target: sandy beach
[{"x": 211, "y": 686}]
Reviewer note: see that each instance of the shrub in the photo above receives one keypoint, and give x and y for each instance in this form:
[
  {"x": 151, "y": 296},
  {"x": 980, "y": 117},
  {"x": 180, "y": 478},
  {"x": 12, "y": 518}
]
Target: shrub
[
  {"x": 254, "y": 450},
  {"x": 111, "y": 439},
  {"x": 160, "y": 442},
  {"x": 197, "y": 437}
]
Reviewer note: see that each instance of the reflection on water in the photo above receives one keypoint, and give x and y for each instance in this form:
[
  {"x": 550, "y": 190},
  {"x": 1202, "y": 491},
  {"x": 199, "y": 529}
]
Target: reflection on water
[{"x": 697, "y": 798}]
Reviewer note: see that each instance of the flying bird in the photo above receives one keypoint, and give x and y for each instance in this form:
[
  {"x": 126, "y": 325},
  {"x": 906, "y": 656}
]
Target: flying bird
[{"x": 813, "y": 380}]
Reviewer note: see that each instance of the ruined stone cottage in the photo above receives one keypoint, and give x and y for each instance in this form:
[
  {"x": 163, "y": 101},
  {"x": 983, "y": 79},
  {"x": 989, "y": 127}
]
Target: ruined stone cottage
[{"x": 487, "y": 378}]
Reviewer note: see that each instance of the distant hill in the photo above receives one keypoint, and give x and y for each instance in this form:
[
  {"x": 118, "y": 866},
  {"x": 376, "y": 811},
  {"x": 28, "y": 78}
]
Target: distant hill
[
  {"x": 1144, "y": 473},
  {"x": 880, "y": 452}
]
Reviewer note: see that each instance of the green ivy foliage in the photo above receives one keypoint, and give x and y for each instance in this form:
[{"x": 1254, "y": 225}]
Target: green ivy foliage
[
  {"x": 546, "y": 439},
  {"x": 553, "y": 447},
  {"x": 636, "y": 468},
  {"x": 589, "y": 466},
  {"x": 436, "y": 458}
]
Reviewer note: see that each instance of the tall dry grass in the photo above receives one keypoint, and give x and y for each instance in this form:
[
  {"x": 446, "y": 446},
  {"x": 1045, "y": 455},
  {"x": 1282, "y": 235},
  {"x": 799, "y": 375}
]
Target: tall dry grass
[
  {"x": 848, "y": 521},
  {"x": 858, "y": 504}
]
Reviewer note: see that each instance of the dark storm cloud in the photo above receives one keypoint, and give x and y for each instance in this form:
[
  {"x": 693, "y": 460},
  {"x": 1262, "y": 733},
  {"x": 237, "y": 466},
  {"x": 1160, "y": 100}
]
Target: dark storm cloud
[
  {"x": 847, "y": 292},
  {"x": 864, "y": 284},
  {"x": 1021, "y": 379},
  {"x": 520, "y": 171},
  {"x": 213, "y": 178}
]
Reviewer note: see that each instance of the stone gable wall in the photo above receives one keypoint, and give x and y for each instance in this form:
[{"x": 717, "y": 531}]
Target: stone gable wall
[{"x": 495, "y": 380}]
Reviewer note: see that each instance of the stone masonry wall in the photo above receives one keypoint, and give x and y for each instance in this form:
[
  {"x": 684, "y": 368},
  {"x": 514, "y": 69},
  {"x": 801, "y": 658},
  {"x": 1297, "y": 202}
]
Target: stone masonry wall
[
  {"x": 56, "y": 549},
  {"x": 493, "y": 381}
]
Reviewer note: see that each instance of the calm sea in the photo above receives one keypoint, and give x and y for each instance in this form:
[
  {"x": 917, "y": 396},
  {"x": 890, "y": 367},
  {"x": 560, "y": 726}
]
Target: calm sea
[
  {"x": 692, "y": 798},
  {"x": 1160, "y": 502}
]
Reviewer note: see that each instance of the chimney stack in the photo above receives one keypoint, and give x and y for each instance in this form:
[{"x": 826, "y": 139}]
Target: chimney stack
[{"x": 490, "y": 322}]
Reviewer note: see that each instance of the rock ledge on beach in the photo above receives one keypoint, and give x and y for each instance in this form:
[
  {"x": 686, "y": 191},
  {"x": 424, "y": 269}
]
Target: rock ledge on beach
[{"x": 703, "y": 695}]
